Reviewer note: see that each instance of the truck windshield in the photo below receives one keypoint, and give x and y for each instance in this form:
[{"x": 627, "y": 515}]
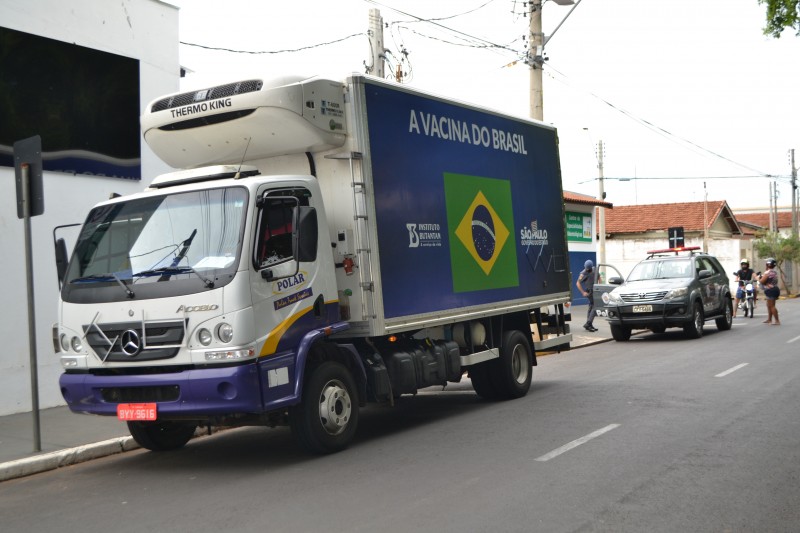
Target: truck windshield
[
  {"x": 130, "y": 249},
  {"x": 666, "y": 269}
]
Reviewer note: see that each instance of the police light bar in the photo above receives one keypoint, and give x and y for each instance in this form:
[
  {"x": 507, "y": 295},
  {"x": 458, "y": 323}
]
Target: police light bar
[{"x": 676, "y": 250}]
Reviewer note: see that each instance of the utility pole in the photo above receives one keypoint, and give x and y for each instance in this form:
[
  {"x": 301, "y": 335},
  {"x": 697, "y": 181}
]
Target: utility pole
[
  {"x": 795, "y": 269},
  {"x": 601, "y": 256},
  {"x": 794, "y": 193},
  {"x": 536, "y": 60},
  {"x": 376, "y": 42}
]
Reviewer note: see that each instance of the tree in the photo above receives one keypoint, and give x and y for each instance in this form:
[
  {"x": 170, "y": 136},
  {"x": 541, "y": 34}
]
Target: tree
[
  {"x": 773, "y": 244},
  {"x": 781, "y": 14}
]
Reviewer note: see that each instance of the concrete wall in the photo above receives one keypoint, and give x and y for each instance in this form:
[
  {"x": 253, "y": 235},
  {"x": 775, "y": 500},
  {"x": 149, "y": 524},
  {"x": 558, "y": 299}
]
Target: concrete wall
[{"x": 146, "y": 30}]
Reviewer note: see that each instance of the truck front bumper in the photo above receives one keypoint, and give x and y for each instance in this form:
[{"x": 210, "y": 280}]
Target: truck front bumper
[{"x": 250, "y": 388}]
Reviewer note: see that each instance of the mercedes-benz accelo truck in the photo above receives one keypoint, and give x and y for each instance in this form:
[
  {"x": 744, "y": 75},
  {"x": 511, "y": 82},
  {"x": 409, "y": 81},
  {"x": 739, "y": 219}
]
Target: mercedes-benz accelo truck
[{"x": 328, "y": 243}]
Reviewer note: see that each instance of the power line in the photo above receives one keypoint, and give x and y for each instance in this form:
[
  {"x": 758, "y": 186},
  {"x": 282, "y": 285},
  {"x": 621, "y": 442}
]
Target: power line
[
  {"x": 261, "y": 52},
  {"x": 658, "y": 129}
]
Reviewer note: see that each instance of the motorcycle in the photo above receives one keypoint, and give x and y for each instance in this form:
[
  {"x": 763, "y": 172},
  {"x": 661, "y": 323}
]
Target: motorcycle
[{"x": 747, "y": 303}]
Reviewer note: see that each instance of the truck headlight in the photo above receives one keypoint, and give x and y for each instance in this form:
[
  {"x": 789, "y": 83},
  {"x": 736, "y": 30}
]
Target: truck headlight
[
  {"x": 76, "y": 344},
  {"x": 64, "y": 340},
  {"x": 614, "y": 298},
  {"x": 225, "y": 333},
  {"x": 204, "y": 336}
]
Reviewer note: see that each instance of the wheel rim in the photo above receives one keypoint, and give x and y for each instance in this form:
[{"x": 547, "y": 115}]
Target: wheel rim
[
  {"x": 698, "y": 320},
  {"x": 335, "y": 407},
  {"x": 519, "y": 364}
]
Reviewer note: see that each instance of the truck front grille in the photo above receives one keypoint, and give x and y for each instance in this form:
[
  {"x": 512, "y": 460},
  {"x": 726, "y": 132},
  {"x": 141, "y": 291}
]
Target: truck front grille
[{"x": 128, "y": 342}]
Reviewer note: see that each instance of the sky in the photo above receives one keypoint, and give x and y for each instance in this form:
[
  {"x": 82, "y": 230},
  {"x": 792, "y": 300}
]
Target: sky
[{"x": 689, "y": 98}]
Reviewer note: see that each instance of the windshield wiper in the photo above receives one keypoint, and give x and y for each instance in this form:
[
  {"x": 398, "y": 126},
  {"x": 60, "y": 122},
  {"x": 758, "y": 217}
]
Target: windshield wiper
[
  {"x": 106, "y": 277},
  {"x": 166, "y": 272}
]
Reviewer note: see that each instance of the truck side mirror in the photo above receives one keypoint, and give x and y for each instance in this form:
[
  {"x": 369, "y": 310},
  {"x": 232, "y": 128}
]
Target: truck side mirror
[
  {"x": 307, "y": 234},
  {"x": 62, "y": 261},
  {"x": 616, "y": 280}
]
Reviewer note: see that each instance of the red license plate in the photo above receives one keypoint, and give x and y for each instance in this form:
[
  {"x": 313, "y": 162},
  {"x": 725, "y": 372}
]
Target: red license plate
[{"x": 137, "y": 411}]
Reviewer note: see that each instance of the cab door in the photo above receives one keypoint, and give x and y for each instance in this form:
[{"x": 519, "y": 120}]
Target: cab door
[
  {"x": 283, "y": 288},
  {"x": 607, "y": 278}
]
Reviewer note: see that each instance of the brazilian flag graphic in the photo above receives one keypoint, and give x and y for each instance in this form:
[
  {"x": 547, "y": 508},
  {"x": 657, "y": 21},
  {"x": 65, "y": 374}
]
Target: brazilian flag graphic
[{"x": 481, "y": 223}]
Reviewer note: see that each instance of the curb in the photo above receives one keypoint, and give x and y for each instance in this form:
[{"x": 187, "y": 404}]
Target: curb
[{"x": 70, "y": 456}]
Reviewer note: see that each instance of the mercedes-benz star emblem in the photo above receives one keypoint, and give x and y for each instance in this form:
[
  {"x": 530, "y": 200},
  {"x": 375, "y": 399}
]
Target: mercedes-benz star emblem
[{"x": 130, "y": 343}]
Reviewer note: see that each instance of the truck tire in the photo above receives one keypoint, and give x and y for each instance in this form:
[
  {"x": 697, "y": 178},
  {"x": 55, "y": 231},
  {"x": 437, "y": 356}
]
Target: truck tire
[
  {"x": 514, "y": 370},
  {"x": 620, "y": 333},
  {"x": 694, "y": 329},
  {"x": 162, "y": 436},
  {"x": 326, "y": 419},
  {"x": 725, "y": 322},
  {"x": 482, "y": 380}
]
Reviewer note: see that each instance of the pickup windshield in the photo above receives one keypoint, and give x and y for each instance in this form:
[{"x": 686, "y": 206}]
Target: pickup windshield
[
  {"x": 666, "y": 269},
  {"x": 158, "y": 246}
]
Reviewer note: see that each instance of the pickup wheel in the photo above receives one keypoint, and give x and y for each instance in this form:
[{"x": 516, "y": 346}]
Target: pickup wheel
[
  {"x": 620, "y": 333},
  {"x": 694, "y": 329},
  {"x": 162, "y": 436},
  {"x": 326, "y": 419},
  {"x": 725, "y": 322}
]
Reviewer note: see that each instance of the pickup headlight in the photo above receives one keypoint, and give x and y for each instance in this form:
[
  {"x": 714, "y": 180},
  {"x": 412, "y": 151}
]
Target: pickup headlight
[
  {"x": 675, "y": 294},
  {"x": 614, "y": 298}
]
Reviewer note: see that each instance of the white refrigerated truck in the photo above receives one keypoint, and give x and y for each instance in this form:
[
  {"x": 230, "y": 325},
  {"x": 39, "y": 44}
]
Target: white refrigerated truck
[{"x": 329, "y": 243}]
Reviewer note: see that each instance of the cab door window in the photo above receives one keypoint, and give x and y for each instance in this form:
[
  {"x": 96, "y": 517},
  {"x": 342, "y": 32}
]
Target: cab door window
[{"x": 276, "y": 218}]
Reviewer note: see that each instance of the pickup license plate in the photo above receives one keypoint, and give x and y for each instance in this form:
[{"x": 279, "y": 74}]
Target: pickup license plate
[
  {"x": 642, "y": 308},
  {"x": 137, "y": 411}
]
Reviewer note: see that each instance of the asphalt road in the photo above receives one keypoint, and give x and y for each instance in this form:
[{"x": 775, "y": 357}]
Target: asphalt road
[{"x": 656, "y": 434}]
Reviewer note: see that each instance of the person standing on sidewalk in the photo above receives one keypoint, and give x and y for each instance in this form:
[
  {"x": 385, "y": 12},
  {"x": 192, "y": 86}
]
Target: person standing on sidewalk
[
  {"x": 769, "y": 280},
  {"x": 585, "y": 284}
]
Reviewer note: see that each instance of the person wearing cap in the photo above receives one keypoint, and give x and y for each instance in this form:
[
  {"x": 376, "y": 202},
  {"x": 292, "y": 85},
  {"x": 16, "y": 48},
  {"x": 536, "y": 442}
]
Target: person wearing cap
[
  {"x": 585, "y": 284},
  {"x": 743, "y": 275}
]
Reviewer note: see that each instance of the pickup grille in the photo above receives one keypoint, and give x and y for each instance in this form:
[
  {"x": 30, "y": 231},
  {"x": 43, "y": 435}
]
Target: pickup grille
[{"x": 642, "y": 297}]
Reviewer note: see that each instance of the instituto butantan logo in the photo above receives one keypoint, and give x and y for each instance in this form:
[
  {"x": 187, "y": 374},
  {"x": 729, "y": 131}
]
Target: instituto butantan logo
[{"x": 480, "y": 222}]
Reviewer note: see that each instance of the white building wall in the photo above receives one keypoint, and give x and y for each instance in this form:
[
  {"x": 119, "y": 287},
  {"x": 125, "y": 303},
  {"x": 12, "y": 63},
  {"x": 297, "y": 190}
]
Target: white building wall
[{"x": 146, "y": 30}]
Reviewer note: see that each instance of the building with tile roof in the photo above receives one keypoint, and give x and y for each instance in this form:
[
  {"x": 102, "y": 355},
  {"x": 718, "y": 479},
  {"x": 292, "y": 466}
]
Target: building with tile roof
[{"x": 633, "y": 230}]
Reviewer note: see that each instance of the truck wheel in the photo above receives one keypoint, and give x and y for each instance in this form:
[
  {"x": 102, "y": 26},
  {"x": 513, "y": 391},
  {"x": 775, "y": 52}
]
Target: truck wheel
[
  {"x": 326, "y": 419},
  {"x": 620, "y": 333},
  {"x": 482, "y": 382},
  {"x": 694, "y": 330},
  {"x": 725, "y": 322},
  {"x": 513, "y": 372},
  {"x": 162, "y": 436}
]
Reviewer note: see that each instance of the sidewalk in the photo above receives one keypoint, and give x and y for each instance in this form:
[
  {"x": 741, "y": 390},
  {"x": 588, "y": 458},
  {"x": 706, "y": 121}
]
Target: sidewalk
[{"x": 68, "y": 438}]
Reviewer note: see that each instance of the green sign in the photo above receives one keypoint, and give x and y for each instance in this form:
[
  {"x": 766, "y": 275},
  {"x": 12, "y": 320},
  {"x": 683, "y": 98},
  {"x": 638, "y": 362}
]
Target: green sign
[
  {"x": 481, "y": 224},
  {"x": 579, "y": 227}
]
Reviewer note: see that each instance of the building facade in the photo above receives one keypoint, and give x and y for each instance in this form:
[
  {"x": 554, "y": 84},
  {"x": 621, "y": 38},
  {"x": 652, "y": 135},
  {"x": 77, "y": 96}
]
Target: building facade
[{"x": 141, "y": 38}]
